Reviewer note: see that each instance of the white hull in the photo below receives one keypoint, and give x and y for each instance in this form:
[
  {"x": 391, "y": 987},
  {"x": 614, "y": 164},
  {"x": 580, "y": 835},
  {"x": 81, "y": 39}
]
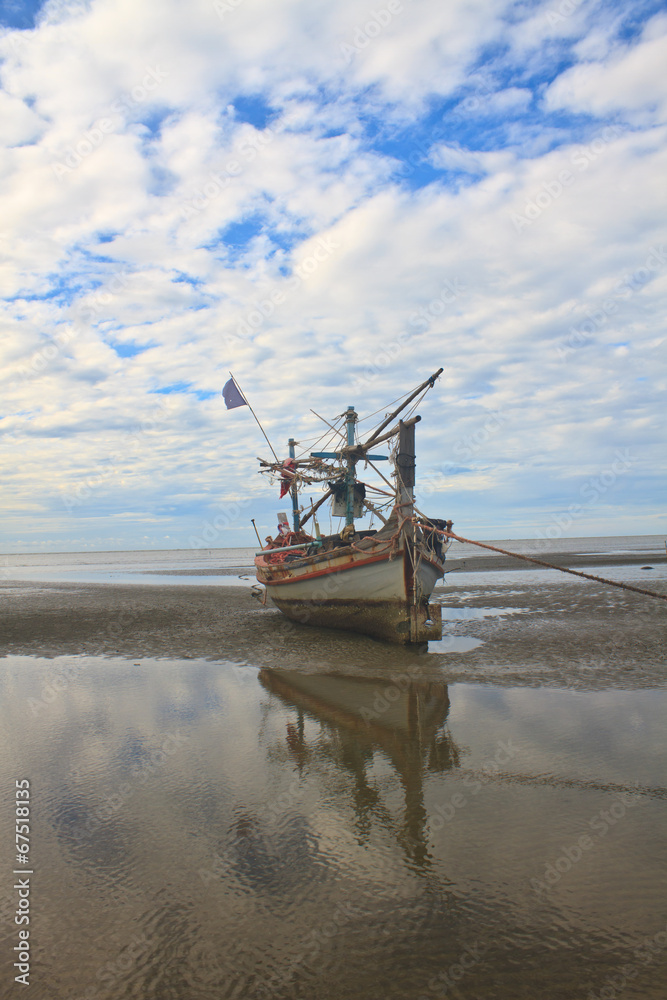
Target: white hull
[
  {"x": 358, "y": 580},
  {"x": 360, "y": 591}
]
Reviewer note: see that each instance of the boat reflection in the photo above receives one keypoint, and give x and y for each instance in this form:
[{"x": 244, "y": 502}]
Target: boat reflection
[{"x": 402, "y": 720}]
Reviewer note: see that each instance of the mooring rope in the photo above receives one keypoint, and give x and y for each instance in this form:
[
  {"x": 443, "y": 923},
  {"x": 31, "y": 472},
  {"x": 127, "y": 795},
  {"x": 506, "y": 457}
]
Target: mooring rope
[{"x": 540, "y": 562}]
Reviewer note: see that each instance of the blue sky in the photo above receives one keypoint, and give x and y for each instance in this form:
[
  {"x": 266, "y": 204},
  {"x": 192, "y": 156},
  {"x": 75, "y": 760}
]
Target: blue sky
[{"x": 332, "y": 201}]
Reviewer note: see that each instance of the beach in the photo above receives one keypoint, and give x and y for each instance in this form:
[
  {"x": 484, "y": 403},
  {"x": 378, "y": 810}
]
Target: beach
[
  {"x": 533, "y": 626},
  {"x": 224, "y": 804}
]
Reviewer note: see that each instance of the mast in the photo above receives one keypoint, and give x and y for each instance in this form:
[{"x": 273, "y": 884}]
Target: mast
[
  {"x": 405, "y": 463},
  {"x": 351, "y": 455},
  {"x": 350, "y": 420},
  {"x": 405, "y": 498},
  {"x": 430, "y": 382},
  {"x": 294, "y": 489}
]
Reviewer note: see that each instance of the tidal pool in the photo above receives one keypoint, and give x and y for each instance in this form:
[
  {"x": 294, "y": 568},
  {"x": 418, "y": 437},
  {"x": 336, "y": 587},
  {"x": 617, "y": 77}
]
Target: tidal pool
[{"x": 203, "y": 830}]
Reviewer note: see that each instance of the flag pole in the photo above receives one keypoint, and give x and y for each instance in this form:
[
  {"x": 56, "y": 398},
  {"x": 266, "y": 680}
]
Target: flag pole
[{"x": 256, "y": 418}]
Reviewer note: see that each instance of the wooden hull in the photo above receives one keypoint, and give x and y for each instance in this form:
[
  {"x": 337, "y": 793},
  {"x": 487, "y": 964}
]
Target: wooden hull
[{"x": 369, "y": 591}]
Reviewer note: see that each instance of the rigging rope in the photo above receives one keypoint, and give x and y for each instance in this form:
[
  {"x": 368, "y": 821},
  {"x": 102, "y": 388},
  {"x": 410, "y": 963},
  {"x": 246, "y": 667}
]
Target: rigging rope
[
  {"x": 384, "y": 408},
  {"x": 540, "y": 562},
  {"x": 328, "y": 434},
  {"x": 414, "y": 406}
]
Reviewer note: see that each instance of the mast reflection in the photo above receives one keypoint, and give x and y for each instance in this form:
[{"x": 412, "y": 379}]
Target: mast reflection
[{"x": 403, "y": 720}]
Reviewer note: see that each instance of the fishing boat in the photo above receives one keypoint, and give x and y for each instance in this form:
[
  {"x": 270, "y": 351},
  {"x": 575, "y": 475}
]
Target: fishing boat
[
  {"x": 380, "y": 581},
  {"x": 375, "y": 581}
]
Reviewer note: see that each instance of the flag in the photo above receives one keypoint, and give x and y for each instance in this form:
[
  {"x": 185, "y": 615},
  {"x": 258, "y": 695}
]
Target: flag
[
  {"x": 287, "y": 476},
  {"x": 232, "y": 396}
]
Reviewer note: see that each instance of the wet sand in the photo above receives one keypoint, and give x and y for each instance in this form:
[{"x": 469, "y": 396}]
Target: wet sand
[
  {"x": 216, "y": 830},
  {"x": 564, "y": 634}
]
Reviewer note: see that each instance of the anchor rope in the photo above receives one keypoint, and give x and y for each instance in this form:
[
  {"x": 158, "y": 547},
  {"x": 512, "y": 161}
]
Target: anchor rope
[{"x": 541, "y": 562}]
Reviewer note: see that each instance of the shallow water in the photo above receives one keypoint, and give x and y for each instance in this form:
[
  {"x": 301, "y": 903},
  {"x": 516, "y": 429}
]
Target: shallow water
[
  {"x": 203, "y": 830},
  {"x": 226, "y": 566}
]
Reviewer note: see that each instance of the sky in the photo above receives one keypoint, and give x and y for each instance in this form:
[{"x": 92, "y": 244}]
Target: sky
[{"x": 331, "y": 201}]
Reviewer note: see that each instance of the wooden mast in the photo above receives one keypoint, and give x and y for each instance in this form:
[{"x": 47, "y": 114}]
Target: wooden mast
[
  {"x": 429, "y": 382},
  {"x": 294, "y": 488},
  {"x": 405, "y": 499},
  {"x": 405, "y": 463}
]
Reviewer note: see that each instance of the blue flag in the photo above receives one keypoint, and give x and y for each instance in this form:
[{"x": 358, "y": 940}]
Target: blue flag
[{"x": 232, "y": 396}]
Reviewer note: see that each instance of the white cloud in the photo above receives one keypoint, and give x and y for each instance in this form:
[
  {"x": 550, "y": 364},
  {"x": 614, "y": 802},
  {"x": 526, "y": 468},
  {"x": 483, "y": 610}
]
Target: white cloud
[
  {"x": 20, "y": 124},
  {"x": 358, "y": 281},
  {"x": 630, "y": 80},
  {"x": 470, "y": 161}
]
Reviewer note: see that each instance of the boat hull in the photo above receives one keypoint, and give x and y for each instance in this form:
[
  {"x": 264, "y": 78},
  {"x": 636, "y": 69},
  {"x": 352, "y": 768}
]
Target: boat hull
[
  {"x": 360, "y": 592},
  {"x": 393, "y": 621}
]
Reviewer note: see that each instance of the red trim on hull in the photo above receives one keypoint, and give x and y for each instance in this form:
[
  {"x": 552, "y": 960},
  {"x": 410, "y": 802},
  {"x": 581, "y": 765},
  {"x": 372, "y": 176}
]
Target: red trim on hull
[
  {"x": 343, "y": 568},
  {"x": 326, "y": 572}
]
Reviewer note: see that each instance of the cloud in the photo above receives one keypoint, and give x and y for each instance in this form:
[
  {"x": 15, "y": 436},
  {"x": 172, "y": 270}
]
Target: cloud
[
  {"x": 332, "y": 203},
  {"x": 629, "y": 81},
  {"x": 20, "y": 124}
]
